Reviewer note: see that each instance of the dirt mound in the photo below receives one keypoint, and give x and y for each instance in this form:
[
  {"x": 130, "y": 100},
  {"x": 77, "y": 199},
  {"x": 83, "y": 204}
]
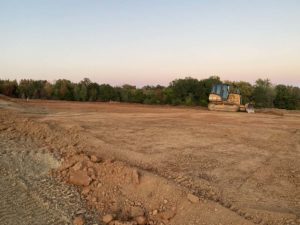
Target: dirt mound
[
  {"x": 126, "y": 195},
  {"x": 272, "y": 111}
]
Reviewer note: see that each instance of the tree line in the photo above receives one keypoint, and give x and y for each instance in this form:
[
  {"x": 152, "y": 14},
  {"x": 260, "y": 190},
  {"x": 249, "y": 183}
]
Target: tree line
[{"x": 188, "y": 91}]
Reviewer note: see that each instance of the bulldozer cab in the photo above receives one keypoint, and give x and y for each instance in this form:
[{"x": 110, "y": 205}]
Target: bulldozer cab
[{"x": 222, "y": 90}]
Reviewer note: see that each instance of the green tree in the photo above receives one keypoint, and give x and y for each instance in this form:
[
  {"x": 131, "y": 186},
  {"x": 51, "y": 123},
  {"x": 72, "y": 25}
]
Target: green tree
[
  {"x": 246, "y": 90},
  {"x": 9, "y": 88},
  {"x": 127, "y": 92},
  {"x": 107, "y": 93},
  {"x": 25, "y": 88},
  {"x": 185, "y": 91},
  {"x": 47, "y": 90},
  {"x": 153, "y": 94},
  {"x": 263, "y": 94},
  {"x": 286, "y": 97},
  {"x": 63, "y": 90},
  {"x": 93, "y": 90},
  {"x": 205, "y": 87},
  {"x": 168, "y": 96}
]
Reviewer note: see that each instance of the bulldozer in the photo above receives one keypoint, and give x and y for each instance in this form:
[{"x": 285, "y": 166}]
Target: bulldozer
[{"x": 224, "y": 97}]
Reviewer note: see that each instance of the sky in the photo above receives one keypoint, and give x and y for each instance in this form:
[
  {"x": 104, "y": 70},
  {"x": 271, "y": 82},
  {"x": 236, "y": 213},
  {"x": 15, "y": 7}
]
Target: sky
[{"x": 151, "y": 42}]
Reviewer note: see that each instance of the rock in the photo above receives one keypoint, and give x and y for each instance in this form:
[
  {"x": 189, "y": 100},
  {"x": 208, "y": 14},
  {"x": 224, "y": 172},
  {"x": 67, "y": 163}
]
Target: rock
[
  {"x": 136, "y": 211},
  {"x": 91, "y": 172},
  {"x": 141, "y": 220},
  {"x": 154, "y": 212},
  {"x": 107, "y": 218},
  {"x": 81, "y": 211},
  {"x": 193, "y": 198},
  {"x": 117, "y": 222},
  {"x": 135, "y": 176},
  {"x": 167, "y": 215},
  {"x": 85, "y": 190},
  {"x": 77, "y": 166},
  {"x": 79, "y": 178},
  {"x": 165, "y": 201},
  {"x": 63, "y": 173},
  {"x": 111, "y": 160},
  {"x": 95, "y": 159},
  {"x": 78, "y": 220}
]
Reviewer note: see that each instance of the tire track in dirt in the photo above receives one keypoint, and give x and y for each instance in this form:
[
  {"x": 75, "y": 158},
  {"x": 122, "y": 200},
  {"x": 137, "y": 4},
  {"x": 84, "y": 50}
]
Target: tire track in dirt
[
  {"x": 16, "y": 207},
  {"x": 28, "y": 194}
]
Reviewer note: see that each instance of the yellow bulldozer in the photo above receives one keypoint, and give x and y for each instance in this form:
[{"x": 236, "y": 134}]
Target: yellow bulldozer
[{"x": 223, "y": 97}]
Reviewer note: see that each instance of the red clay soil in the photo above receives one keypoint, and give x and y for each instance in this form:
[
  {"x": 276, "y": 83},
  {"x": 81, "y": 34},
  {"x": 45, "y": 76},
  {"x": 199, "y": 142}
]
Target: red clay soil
[{"x": 165, "y": 165}]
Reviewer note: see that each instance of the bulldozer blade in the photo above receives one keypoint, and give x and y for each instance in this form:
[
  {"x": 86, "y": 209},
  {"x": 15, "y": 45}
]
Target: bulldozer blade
[{"x": 250, "y": 108}]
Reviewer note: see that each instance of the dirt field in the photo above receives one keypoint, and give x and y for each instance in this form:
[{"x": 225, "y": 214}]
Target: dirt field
[{"x": 244, "y": 168}]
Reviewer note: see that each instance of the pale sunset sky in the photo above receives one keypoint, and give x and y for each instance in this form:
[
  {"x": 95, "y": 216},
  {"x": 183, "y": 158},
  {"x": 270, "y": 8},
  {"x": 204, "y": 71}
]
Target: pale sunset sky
[{"x": 150, "y": 42}]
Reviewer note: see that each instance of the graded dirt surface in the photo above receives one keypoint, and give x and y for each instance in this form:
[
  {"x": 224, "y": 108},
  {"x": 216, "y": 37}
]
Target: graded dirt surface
[{"x": 244, "y": 168}]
